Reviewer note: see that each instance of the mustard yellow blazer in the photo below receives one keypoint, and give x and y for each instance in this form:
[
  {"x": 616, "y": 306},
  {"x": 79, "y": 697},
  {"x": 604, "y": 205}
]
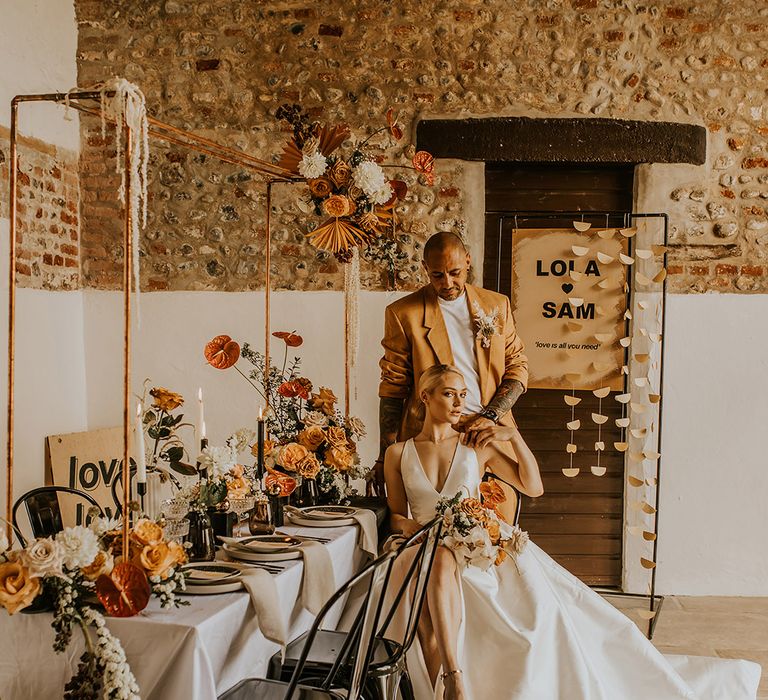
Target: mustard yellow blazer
[{"x": 415, "y": 339}]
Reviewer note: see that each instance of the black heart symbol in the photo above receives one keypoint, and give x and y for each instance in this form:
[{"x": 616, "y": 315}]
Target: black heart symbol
[{"x": 567, "y": 288}]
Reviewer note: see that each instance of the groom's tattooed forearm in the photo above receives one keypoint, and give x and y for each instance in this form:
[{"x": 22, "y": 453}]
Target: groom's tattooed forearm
[
  {"x": 506, "y": 395},
  {"x": 390, "y": 417}
]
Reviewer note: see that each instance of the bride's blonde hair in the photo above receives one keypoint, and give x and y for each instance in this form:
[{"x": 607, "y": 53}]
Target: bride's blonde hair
[{"x": 428, "y": 382}]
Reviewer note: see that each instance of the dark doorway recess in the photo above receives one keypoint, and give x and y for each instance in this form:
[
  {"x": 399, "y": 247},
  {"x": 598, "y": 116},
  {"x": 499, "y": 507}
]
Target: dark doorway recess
[{"x": 578, "y": 521}]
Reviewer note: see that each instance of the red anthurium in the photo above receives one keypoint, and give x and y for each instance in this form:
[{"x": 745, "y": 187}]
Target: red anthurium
[{"x": 292, "y": 340}]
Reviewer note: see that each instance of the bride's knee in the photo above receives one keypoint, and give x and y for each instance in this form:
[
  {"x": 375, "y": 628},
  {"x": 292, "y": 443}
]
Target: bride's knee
[{"x": 445, "y": 562}]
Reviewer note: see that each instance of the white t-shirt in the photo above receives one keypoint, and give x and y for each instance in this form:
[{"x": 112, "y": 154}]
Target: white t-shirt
[{"x": 458, "y": 323}]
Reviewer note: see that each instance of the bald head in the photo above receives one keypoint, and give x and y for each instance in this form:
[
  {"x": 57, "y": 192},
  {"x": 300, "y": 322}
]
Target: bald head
[
  {"x": 443, "y": 242},
  {"x": 446, "y": 262}
]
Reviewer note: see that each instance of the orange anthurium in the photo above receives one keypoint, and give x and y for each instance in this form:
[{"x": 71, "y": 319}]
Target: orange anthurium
[
  {"x": 222, "y": 352},
  {"x": 292, "y": 340}
]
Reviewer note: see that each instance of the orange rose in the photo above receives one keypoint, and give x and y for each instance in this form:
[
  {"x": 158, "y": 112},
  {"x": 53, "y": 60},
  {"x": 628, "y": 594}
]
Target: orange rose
[
  {"x": 291, "y": 454},
  {"x": 157, "y": 559},
  {"x": 17, "y": 588},
  {"x": 269, "y": 445},
  {"x": 474, "y": 509},
  {"x": 494, "y": 531},
  {"x": 165, "y": 399},
  {"x": 309, "y": 467},
  {"x": 238, "y": 487},
  {"x": 337, "y": 437},
  {"x": 102, "y": 564},
  {"x": 338, "y": 205},
  {"x": 339, "y": 458},
  {"x": 320, "y": 186},
  {"x": 312, "y": 437},
  {"x": 147, "y": 532},
  {"x": 324, "y": 401},
  {"x": 178, "y": 552},
  {"x": 340, "y": 173}
]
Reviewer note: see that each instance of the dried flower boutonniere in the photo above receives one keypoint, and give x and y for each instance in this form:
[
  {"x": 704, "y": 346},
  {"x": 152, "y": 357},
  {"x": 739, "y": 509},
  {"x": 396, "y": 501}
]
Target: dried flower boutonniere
[{"x": 486, "y": 324}]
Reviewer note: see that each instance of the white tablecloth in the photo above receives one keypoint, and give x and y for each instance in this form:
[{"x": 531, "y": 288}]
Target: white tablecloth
[{"x": 191, "y": 653}]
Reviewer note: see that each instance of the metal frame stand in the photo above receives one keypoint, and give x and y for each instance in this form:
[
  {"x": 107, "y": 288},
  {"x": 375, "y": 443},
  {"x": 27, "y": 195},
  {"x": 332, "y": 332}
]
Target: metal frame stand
[{"x": 655, "y": 601}]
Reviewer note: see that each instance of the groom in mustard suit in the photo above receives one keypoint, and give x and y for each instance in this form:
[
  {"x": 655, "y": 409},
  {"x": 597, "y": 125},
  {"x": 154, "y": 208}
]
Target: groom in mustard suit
[{"x": 449, "y": 322}]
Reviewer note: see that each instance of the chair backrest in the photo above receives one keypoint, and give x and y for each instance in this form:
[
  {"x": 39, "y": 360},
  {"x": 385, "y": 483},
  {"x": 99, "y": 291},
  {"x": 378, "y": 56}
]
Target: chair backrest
[
  {"x": 425, "y": 542},
  {"x": 374, "y": 577},
  {"x": 514, "y": 502},
  {"x": 44, "y": 510}
]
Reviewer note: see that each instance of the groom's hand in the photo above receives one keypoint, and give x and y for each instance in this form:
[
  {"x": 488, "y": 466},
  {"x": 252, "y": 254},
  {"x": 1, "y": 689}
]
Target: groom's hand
[
  {"x": 472, "y": 428},
  {"x": 375, "y": 485}
]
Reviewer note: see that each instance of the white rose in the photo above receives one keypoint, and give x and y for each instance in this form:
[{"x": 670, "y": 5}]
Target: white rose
[
  {"x": 313, "y": 165},
  {"x": 43, "y": 558},
  {"x": 315, "y": 418}
]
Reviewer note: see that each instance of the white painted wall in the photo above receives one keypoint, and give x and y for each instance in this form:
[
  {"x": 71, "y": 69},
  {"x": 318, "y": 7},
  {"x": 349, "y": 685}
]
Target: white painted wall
[
  {"x": 38, "y": 47},
  {"x": 168, "y": 348},
  {"x": 50, "y": 383},
  {"x": 713, "y": 519}
]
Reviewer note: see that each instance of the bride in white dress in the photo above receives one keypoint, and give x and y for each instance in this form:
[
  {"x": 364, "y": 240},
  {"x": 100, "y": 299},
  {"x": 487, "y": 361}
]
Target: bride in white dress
[{"x": 527, "y": 629}]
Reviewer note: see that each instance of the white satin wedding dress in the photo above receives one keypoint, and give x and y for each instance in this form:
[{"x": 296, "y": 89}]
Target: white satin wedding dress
[{"x": 540, "y": 634}]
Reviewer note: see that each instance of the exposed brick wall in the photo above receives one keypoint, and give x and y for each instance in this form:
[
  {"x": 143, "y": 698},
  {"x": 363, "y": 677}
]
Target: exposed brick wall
[
  {"x": 222, "y": 69},
  {"x": 47, "y": 223}
]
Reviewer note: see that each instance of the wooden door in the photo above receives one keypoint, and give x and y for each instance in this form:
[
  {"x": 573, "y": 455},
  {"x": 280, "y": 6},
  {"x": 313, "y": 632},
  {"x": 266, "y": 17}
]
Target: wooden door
[{"x": 578, "y": 521}]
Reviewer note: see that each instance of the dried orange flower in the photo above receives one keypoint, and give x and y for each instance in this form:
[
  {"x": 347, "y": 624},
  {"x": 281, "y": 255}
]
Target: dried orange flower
[
  {"x": 338, "y": 205},
  {"x": 222, "y": 352},
  {"x": 474, "y": 509},
  {"x": 340, "y": 173},
  {"x": 369, "y": 221},
  {"x": 286, "y": 484},
  {"x": 320, "y": 187},
  {"x": 165, "y": 400},
  {"x": 492, "y": 494},
  {"x": 393, "y": 125}
]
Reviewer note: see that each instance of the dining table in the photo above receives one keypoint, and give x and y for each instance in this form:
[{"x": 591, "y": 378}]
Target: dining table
[{"x": 193, "y": 652}]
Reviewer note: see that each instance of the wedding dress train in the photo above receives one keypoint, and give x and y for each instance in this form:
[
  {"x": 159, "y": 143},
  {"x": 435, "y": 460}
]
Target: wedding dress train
[{"x": 535, "y": 632}]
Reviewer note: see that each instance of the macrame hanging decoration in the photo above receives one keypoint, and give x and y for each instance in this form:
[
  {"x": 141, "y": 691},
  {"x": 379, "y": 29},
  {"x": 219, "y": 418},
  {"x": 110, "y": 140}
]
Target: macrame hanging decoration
[
  {"x": 352, "y": 319},
  {"x": 127, "y": 108}
]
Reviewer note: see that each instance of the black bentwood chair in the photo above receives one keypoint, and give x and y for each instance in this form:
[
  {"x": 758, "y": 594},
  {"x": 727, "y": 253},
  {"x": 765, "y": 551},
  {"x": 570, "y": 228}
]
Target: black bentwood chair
[
  {"x": 374, "y": 577},
  {"x": 387, "y": 672},
  {"x": 44, "y": 510}
]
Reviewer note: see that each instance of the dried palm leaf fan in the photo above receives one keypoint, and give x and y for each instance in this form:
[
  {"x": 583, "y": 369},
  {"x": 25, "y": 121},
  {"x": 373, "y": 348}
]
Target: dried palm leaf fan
[
  {"x": 328, "y": 140},
  {"x": 337, "y": 235}
]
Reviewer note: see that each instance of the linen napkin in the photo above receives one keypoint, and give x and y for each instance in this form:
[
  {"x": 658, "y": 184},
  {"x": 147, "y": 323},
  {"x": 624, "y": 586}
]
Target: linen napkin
[
  {"x": 263, "y": 591},
  {"x": 369, "y": 533},
  {"x": 318, "y": 583}
]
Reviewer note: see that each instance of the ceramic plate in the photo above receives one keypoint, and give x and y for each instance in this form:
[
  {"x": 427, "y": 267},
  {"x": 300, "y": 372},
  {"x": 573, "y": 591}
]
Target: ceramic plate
[
  {"x": 210, "y": 573},
  {"x": 245, "y": 555},
  {"x": 319, "y": 522},
  {"x": 327, "y": 512},
  {"x": 262, "y": 543},
  {"x": 213, "y": 589}
]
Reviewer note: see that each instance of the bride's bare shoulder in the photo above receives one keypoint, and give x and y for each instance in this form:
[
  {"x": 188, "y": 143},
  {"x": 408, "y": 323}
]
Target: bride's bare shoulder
[{"x": 394, "y": 453}]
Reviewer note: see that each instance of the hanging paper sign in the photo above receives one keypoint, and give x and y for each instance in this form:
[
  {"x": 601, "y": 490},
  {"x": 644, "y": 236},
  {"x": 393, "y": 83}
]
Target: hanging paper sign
[{"x": 569, "y": 305}]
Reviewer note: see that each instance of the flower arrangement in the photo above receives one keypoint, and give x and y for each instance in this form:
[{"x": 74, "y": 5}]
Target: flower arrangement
[
  {"x": 351, "y": 190},
  {"x": 161, "y": 426},
  {"x": 79, "y": 562},
  {"x": 475, "y": 532},
  {"x": 310, "y": 438}
]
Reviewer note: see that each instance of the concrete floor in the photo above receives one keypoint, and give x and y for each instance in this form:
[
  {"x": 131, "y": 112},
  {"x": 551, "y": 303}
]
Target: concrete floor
[{"x": 732, "y": 628}]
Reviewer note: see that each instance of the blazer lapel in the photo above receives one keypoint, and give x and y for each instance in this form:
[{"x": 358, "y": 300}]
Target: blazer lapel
[
  {"x": 483, "y": 354},
  {"x": 437, "y": 334}
]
